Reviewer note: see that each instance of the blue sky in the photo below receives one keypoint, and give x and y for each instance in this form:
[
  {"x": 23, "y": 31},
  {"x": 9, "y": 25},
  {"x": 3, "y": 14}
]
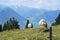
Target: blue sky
[{"x": 44, "y": 4}]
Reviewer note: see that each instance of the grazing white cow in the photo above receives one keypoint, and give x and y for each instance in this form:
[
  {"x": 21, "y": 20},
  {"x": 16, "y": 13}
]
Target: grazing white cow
[
  {"x": 30, "y": 25},
  {"x": 43, "y": 24}
]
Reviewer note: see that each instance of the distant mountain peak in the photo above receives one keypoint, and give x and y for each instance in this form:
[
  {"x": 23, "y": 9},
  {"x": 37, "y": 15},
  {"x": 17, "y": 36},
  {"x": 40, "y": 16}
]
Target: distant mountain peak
[{"x": 8, "y": 13}]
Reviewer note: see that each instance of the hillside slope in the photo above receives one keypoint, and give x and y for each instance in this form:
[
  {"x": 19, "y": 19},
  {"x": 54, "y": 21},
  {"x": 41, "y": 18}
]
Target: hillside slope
[{"x": 29, "y": 34}]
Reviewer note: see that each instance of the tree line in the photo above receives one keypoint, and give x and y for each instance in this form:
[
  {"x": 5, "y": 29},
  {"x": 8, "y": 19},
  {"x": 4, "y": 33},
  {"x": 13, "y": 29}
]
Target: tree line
[{"x": 12, "y": 24}]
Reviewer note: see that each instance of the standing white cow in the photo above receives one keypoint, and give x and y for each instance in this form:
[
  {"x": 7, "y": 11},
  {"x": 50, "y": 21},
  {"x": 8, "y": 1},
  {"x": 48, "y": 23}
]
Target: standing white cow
[{"x": 43, "y": 24}]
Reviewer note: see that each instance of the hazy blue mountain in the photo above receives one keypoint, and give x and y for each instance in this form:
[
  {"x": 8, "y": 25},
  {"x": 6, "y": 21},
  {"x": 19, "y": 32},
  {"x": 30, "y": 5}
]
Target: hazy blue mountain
[
  {"x": 8, "y": 13},
  {"x": 24, "y": 13},
  {"x": 2, "y": 7},
  {"x": 50, "y": 16},
  {"x": 34, "y": 14}
]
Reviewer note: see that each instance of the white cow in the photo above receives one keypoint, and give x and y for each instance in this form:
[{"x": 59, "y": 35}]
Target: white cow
[{"x": 42, "y": 23}]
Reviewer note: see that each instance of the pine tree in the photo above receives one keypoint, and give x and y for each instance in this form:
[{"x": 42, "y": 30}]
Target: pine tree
[
  {"x": 6, "y": 26},
  {"x": 0, "y": 28},
  {"x": 15, "y": 23},
  {"x": 27, "y": 24},
  {"x": 11, "y": 24},
  {"x": 53, "y": 24},
  {"x": 32, "y": 25},
  {"x": 57, "y": 20}
]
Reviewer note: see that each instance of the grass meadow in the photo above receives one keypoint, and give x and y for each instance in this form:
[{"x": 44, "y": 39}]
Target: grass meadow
[{"x": 30, "y": 34}]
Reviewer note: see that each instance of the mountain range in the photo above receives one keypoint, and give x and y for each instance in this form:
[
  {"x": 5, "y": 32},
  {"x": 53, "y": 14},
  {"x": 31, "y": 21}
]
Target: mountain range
[{"x": 32, "y": 14}]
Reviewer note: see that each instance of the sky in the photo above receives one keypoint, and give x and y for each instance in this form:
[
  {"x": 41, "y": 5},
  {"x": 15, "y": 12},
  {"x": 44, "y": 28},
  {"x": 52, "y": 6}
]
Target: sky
[{"x": 43, "y": 4}]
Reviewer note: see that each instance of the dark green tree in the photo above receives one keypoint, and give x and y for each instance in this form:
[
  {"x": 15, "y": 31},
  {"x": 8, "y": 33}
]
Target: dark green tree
[
  {"x": 57, "y": 19},
  {"x": 32, "y": 25},
  {"x": 53, "y": 24},
  {"x": 15, "y": 23},
  {"x": 0, "y": 28},
  {"x": 6, "y": 26},
  {"x": 27, "y": 24},
  {"x": 11, "y": 24}
]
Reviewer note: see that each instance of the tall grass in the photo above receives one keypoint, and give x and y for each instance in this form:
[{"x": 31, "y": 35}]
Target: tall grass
[{"x": 30, "y": 34}]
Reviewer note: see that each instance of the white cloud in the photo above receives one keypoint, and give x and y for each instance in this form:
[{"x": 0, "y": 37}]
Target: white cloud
[{"x": 45, "y": 4}]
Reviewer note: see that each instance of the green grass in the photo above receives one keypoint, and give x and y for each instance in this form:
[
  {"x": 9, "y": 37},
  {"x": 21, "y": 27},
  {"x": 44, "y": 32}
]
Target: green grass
[{"x": 30, "y": 34}]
